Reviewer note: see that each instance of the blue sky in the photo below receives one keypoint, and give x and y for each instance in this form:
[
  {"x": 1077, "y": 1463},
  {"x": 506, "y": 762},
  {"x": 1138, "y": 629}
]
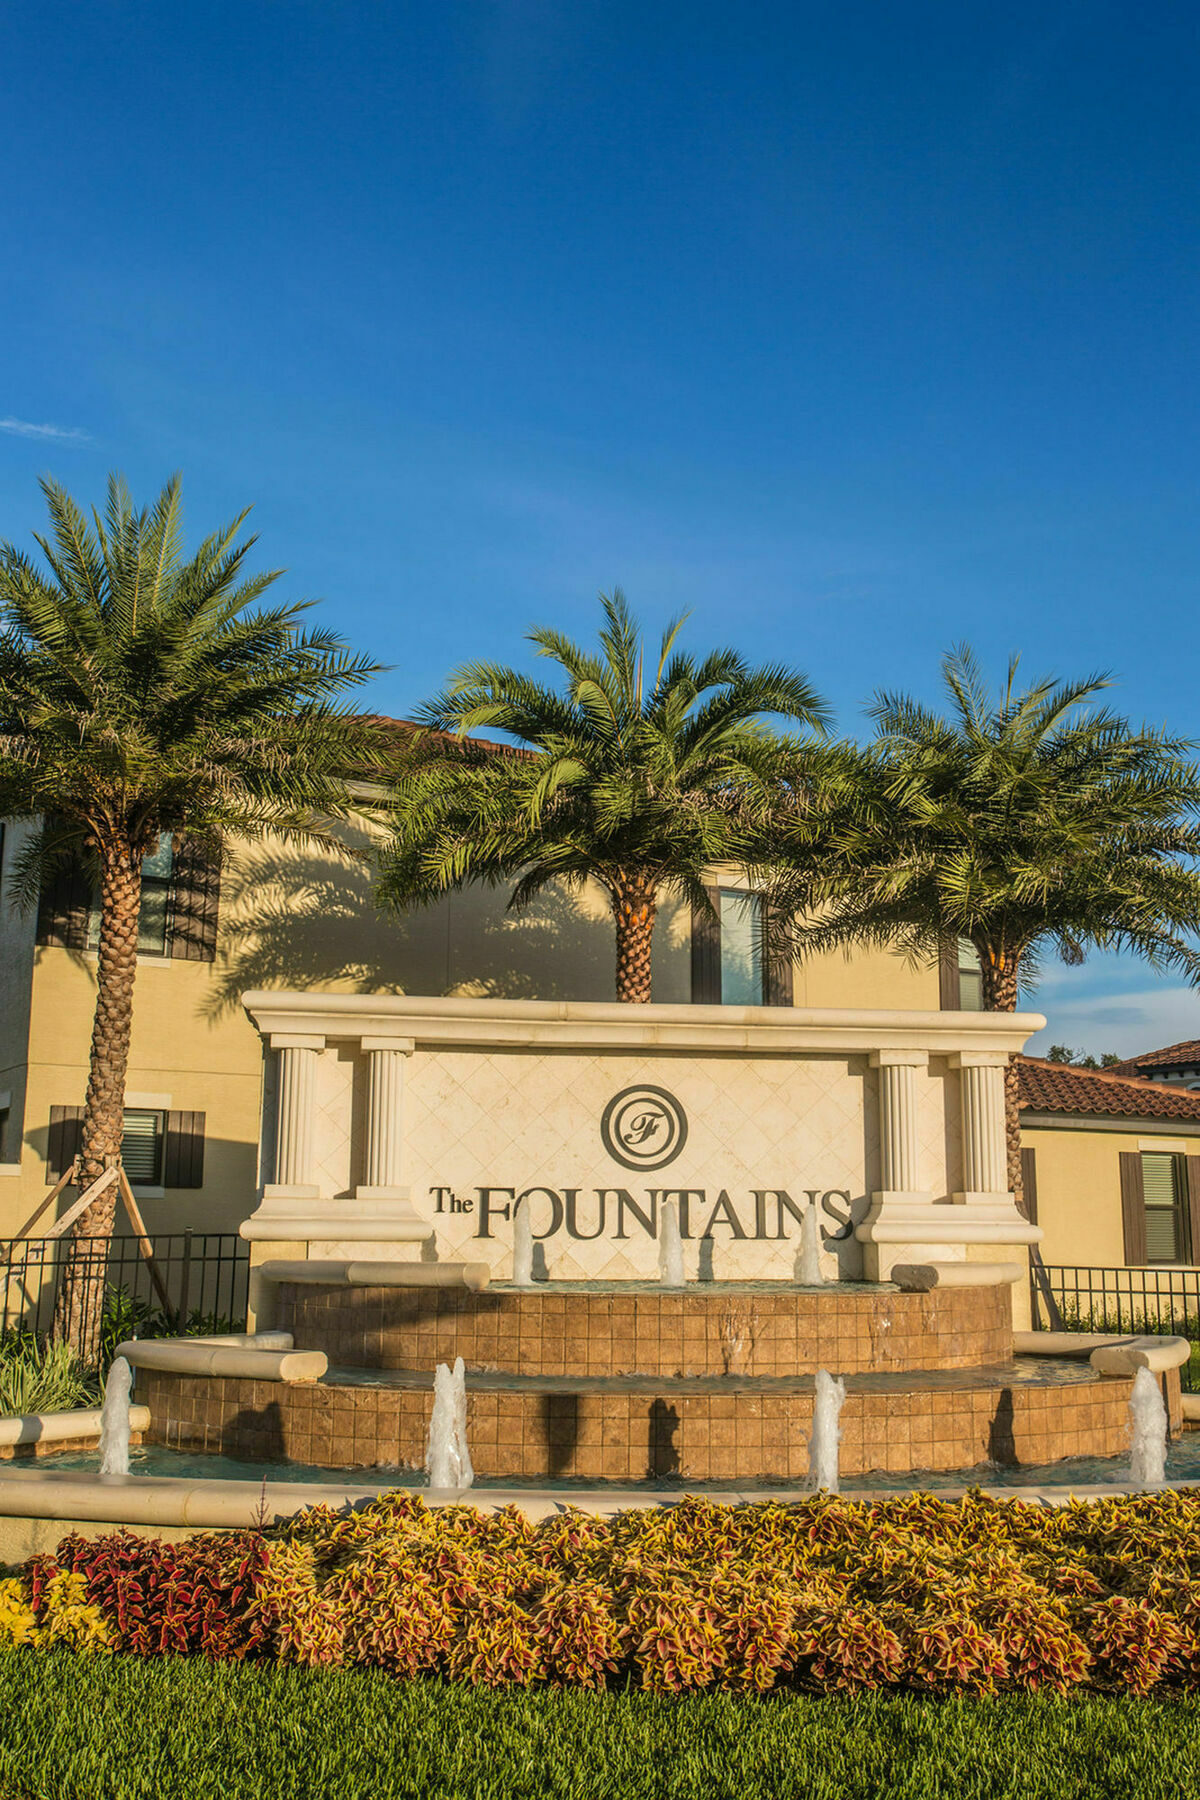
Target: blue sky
[{"x": 857, "y": 330}]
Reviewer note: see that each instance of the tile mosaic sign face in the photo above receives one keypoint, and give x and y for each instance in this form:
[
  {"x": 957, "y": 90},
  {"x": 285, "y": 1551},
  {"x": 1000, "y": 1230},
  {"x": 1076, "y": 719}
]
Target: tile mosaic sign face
[{"x": 593, "y": 1144}]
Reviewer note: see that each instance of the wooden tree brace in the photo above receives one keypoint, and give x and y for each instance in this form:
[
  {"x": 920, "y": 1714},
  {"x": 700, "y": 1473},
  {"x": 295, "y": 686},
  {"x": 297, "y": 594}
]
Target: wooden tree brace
[
  {"x": 64, "y": 1180},
  {"x": 144, "y": 1244},
  {"x": 101, "y": 1184}
]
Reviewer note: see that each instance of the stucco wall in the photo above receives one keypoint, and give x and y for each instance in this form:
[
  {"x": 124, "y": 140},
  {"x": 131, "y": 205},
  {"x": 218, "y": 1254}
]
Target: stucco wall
[
  {"x": 1079, "y": 1189},
  {"x": 17, "y": 932}
]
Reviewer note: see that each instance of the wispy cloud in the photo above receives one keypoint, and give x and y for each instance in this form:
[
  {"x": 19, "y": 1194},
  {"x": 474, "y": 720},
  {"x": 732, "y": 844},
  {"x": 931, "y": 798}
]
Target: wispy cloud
[
  {"x": 61, "y": 434},
  {"x": 1127, "y": 1023}
]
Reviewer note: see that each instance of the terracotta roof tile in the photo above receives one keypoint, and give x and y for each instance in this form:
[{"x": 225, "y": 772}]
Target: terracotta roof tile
[
  {"x": 1057, "y": 1087},
  {"x": 1174, "y": 1056}
]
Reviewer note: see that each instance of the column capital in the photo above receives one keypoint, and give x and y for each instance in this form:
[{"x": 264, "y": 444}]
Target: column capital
[
  {"x": 403, "y": 1046},
  {"x": 899, "y": 1059},
  {"x": 292, "y": 1040},
  {"x": 979, "y": 1059}
]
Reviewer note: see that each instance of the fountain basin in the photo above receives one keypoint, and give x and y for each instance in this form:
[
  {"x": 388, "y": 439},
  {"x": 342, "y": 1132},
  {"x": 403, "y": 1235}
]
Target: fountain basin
[{"x": 632, "y": 1428}]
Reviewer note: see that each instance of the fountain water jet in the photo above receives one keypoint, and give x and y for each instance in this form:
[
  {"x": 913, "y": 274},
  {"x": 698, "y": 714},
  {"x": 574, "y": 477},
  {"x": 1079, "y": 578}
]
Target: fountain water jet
[
  {"x": 1148, "y": 1446},
  {"x": 466, "y": 1473},
  {"x": 823, "y": 1444},
  {"x": 114, "y": 1419},
  {"x": 447, "y": 1459},
  {"x": 809, "y": 1261},
  {"x": 522, "y": 1246},
  {"x": 670, "y": 1246}
]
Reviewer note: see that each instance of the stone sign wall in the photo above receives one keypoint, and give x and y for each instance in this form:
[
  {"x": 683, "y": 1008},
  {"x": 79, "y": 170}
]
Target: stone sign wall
[{"x": 405, "y": 1121}]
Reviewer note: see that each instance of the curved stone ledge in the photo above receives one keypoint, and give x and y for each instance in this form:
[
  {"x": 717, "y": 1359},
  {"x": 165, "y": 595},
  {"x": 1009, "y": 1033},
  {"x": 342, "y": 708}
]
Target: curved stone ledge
[
  {"x": 61, "y": 1427},
  {"x": 472, "y": 1275},
  {"x": 1154, "y": 1353},
  {"x": 196, "y": 1356},
  {"x": 1109, "y": 1353},
  {"x": 921, "y": 1278},
  {"x": 36, "y": 1505}
]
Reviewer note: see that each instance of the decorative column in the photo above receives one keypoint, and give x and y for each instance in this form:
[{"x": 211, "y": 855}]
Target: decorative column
[
  {"x": 383, "y": 1159},
  {"x": 295, "y": 1103},
  {"x": 901, "y": 1208},
  {"x": 984, "y": 1142},
  {"x": 899, "y": 1151},
  {"x": 295, "y": 1218}
]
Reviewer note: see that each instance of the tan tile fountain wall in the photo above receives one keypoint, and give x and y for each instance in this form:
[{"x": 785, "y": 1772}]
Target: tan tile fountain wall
[
  {"x": 627, "y": 1435},
  {"x": 624, "y": 1383},
  {"x": 751, "y": 1329}
]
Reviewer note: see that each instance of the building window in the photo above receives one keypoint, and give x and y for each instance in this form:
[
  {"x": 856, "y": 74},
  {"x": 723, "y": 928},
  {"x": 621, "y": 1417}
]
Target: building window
[
  {"x": 970, "y": 978},
  {"x": 741, "y": 948},
  {"x": 6, "y": 1132},
  {"x": 156, "y": 894},
  {"x": 1163, "y": 1196},
  {"x": 733, "y": 962},
  {"x": 142, "y": 1148},
  {"x": 960, "y": 981}
]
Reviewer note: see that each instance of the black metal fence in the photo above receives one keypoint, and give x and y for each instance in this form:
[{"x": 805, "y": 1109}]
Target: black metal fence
[
  {"x": 203, "y": 1283},
  {"x": 1159, "y": 1301}
]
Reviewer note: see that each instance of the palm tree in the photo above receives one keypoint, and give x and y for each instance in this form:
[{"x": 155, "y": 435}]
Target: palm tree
[
  {"x": 1031, "y": 823},
  {"x": 140, "y": 694},
  {"x": 636, "y": 778}
]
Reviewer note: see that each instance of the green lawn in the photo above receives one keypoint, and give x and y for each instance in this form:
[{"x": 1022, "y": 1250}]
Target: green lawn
[{"x": 116, "y": 1728}]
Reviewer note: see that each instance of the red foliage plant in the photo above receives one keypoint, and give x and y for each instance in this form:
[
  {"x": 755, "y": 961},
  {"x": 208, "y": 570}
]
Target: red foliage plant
[{"x": 978, "y": 1594}]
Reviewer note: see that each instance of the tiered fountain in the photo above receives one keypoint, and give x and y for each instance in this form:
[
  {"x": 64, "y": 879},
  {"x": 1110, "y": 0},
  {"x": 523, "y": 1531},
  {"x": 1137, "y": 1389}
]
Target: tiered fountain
[
  {"x": 608, "y": 1126},
  {"x": 635, "y": 1380}
]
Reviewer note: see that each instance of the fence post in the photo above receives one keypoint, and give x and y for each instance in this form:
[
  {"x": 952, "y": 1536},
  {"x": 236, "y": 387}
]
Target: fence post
[{"x": 185, "y": 1281}]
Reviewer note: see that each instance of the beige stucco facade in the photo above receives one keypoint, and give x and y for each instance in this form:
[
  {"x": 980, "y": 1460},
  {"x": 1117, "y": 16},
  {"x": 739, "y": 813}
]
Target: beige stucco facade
[
  {"x": 306, "y": 920},
  {"x": 1079, "y": 1181}
]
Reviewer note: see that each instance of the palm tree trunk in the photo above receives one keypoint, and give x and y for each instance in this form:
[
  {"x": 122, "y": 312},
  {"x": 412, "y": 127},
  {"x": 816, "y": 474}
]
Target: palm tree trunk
[
  {"x": 80, "y": 1298},
  {"x": 635, "y": 908},
  {"x": 1000, "y": 995}
]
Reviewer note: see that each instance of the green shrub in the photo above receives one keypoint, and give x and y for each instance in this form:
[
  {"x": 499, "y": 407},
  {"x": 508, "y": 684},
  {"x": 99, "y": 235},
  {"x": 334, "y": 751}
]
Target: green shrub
[
  {"x": 127, "y": 1316},
  {"x": 38, "y": 1376}
]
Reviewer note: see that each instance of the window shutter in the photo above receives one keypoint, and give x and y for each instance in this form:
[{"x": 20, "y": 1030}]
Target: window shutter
[
  {"x": 777, "y": 967},
  {"x": 195, "y": 900},
  {"x": 1029, "y": 1197},
  {"x": 706, "y": 952},
  {"x": 183, "y": 1158},
  {"x": 64, "y": 1139},
  {"x": 1133, "y": 1208},
  {"x": 63, "y": 908},
  {"x": 949, "y": 985},
  {"x": 1193, "y": 1207}
]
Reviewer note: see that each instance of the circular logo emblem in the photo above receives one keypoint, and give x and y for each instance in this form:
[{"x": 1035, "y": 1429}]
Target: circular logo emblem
[{"x": 644, "y": 1127}]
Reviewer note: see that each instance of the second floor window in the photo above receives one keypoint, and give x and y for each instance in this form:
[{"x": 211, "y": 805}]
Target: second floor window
[
  {"x": 741, "y": 948},
  {"x": 156, "y": 893},
  {"x": 970, "y": 977},
  {"x": 960, "y": 981}
]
